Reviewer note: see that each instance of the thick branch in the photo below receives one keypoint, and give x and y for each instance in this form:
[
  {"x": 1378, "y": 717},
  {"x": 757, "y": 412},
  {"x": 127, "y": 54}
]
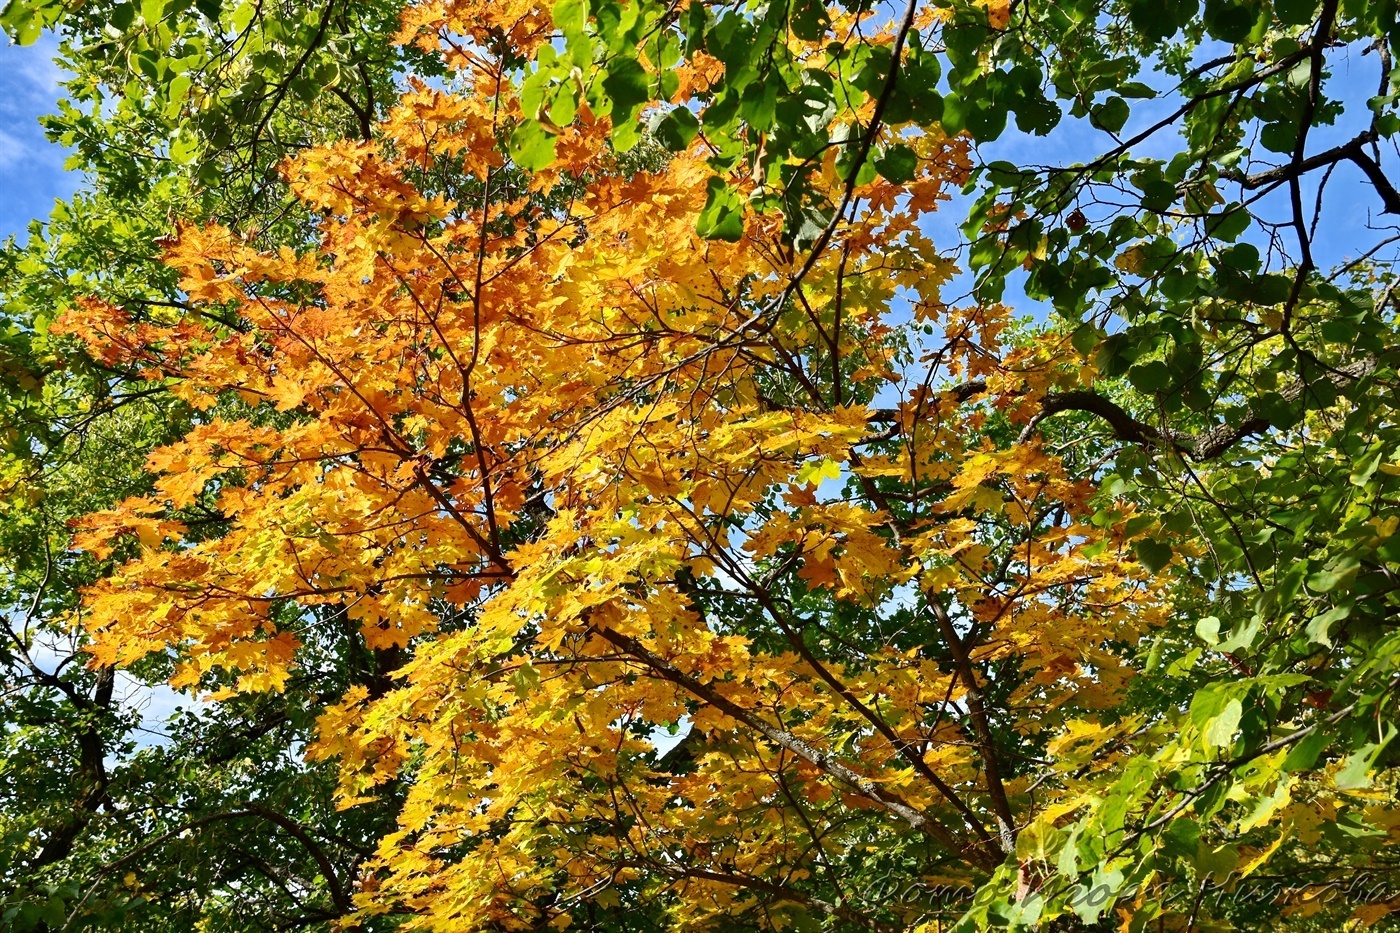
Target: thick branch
[
  {"x": 313, "y": 848},
  {"x": 981, "y": 726},
  {"x": 907, "y": 749},
  {"x": 1355, "y": 151},
  {"x": 1206, "y": 445},
  {"x": 821, "y": 760}
]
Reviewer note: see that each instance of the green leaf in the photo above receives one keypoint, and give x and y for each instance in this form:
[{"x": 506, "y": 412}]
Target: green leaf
[
  {"x": 1241, "y": 256},
  {"x": 1112, "y": 114},
  {"x": 675, "y": 129},
  {"x": 722, "y": 217},
  {"x": 1085, "y": 339},
  {"x": 1356, "y": 773},
  {"x": 986, "y": 120},
  {"x": 1222, "y": 728},
  {"x": 1092, "y": 900},
  {"x": 1160, "y": 19},
  {"x": 1154, "y": 654},
  {"x": 1337, "y": 574},
  {"x": 1279, "y": 137},
  {"x": 808, "y": 19},
  {"x": 758, "y": 106},
  {"x": 1115, "y": 354},
  {"x": 1242, "y": 637},
  {"x": 183, "y": 149},
  {"x": 531, "y": 146},
  {"x": 1273, "y": 289},
  {"x": 625, "y": 87},
  {"x": 1302, "y": 756},
  {"x": 570, "y": 17},
  {"x": 1230, "y": 20},
  {"x": 805, "y": 223},
  {"x": 1319, "y": 627},
  {"x": 1228, "y": 223},
  {"x": 1154, "y": 555},
  {"x": 1295, "y": 12},
  {"x": 1150, "y": 376},
  {"x": 54, "y": 912},
  {"x": 242, "y": 16},
  {"x": 1208, "y": 630},
  {"x": 898, "y": 163}
]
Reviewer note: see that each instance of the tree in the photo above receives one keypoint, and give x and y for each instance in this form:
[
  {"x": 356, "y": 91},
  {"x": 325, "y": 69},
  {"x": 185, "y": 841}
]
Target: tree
[
  {"x": 1089, "y": 616},
  {"x": 547, "y": 449},
  {"x": 103, "y": 823}
]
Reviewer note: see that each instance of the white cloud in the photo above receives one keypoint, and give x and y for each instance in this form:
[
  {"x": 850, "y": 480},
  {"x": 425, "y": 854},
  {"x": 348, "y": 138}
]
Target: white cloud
[
  {"x": 30, "y": 77},
  {"x": 12, "y": 151}
]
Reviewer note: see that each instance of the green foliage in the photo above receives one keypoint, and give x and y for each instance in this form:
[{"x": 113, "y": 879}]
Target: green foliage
[{"x": 171, "y": 111}]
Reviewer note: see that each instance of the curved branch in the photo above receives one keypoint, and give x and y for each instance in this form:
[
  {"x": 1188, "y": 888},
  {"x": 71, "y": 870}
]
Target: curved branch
[
  {"x": 1206, "y": 445},
  {"x": 823, "y": 761},
  {"x": 297, "y": 831},
  {"x": 1355, "y": 151}
]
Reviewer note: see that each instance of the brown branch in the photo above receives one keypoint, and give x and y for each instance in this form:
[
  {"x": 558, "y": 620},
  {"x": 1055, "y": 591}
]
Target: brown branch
[
  {"x": 286, "y": 83},
  {"x": 981, "y": 726},
  {"x": 297, "y": 831},
  {"x": 907, "y": 749},
  {"x": 823, "y": 761},
  {"x": 1206, "y": 445},
  {"x": 1355, "y": 151}
]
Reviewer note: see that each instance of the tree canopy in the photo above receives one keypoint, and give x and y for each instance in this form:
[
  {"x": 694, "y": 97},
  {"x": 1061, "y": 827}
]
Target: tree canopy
[{"x": 627, "y": 465}]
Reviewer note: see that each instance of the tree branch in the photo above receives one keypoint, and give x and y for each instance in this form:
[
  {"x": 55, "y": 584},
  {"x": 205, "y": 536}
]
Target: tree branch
[
  {"x": 823, "y": 761},
  {"x": 1355, "y": 151},
  {"x": 1206, "y": 445}
]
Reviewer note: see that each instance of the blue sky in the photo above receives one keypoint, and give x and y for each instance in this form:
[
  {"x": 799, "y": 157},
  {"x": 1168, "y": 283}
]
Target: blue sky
[{"x": 31, "y": 167}]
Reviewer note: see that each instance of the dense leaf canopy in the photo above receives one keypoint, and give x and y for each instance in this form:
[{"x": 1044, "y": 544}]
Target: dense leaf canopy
[{"x": 630, "y": 465}]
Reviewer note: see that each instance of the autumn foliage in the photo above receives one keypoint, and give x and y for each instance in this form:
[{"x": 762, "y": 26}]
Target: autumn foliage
[
  {"x": 607, "y": 478},
  {"x": 707, "y": 572}
]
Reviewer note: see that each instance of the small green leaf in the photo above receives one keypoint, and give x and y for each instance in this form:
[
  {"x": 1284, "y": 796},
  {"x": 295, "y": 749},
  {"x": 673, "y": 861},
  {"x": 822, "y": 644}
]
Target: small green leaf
[
  {"x": 1230, "y": 20},
  {"x": 625, "y": 86},
  {"x": 242, "y": 16},
  {"x": 675, "y": 129},
  {"x": 1339, "y": 573},
  {"x": 1208, "y": 630},
  {"x": 1295, "y": 12},
  {"x": 1150, "y": 376},
  {"x": 1356, "y": 773},
  {"x": 1229, "y": 223},
  {"x": 1085, "y": 339},
  {"x": 1303, "y": 756},
  {"x": 54, "y": 912},
  {"x": 1318, "y": 628},
  {"x": 531, "y": 146},
  {"x": 1279, "y": 137},
  {"x": 570, "y": 16},
  {"x": 808, "y": 19},
  {"x": 1112, "y": 114}
]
